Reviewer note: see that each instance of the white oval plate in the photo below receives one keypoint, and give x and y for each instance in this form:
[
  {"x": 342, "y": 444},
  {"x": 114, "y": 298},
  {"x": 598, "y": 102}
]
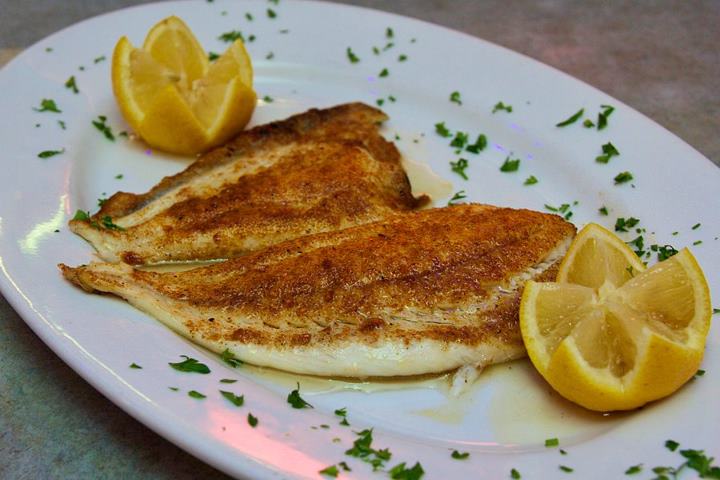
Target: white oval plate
[{"x": 503, "y": 420}]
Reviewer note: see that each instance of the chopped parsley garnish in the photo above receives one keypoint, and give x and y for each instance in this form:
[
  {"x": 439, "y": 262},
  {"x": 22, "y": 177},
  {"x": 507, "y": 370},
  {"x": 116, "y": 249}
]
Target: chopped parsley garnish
[
  {"x": 442, "y": 130},
  {"x": 236, "y": 400},
  {"x": 460, "y": 140},
  {"x": 72, "y": 85},
  {"x": 384, "y": 73},
  {"x": 212, "y": 56},
  {"x": 399, "y": 472},
  {"x": 455, "y": 97},
  {"x": 62, "y": 124},
  {"x": 345, "y": 466},
  {"x": 697, "y": 242},
  {"x": 174, "y": 389},
  {"x": 269, "y": 56},
  {"x": 402, "y": 58},
  {"x": 501, "y": 106},
  {"x": 50, "y": 153},
  {"x": 331, "y": 471},
  {"x": 699, "y": 373},
  {"x": 609, "y": 151},
  {"x": 82, "y": 216},
  {"x": 48, "y": 105},
  {"x": 119, "y": 176},
  {"x": 268, "y": 99},
  {"x": 231, "y": 36},
  {"x": 514, "y": 474},
  {"x": 565, "y": 469},
  {"x": 296, "y": 400},
  {"x": 196, "y": 394},
  {"x": 588, "y": 123},
  {"x": 251, "y": 38},
  {"x": 392, "y": 99},
  {"x": 252, "y": 420},
  {"x": 664, "y": 251},
  {"x": 380, "y": 102},
  {"x": 227, "y": 380},
  {"x": 104, "y": 127},
  {"x": 572, "y": 119},
  {"x": 603, "y": 210},
  {"x": 457, "y": 197},
  {"x": 695, "y": 460},
  {"x": 552, "y": 442},
  {"x": 342, "y": 412},
  {"x": 479, "y": 145},
  {"x": 351, "y": 56},
  {"x": 459, "y": 167},
  {"x": 249, "y": 16},
  {"x": 48, "y": 49},
  {"x": 459, "y": 455},
  {"x": 696, "y": 226},
  {"x": 510, "y": 165},
  {"x": 389, "y": 32},
  {"x": 99, "y": 59},
  {"x": 634, "y": 469},
  {"x": 190, "y": 365},
  {"x": 108, "y": 223},
  {"x": 362, "y": 449},
  {"x": 603, "y": 116},
  {"x": 376, "y": 50},
  {"x": 716, "y": 310},
  {"x": 622, "y": 224},
  {"x": 671, "y": 445},
  {"x": 136, "y": 366},
  {"x": 623, "y": 177},
  {"x": 531, "y": 180},
  {"x": 563, "y": 452},
  {"x": 271, "y": 13},
  {"x": 228, "y": 357}
]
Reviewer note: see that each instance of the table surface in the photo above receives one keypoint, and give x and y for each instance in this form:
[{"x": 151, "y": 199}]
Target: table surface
[{"x": 661, "y": 58}]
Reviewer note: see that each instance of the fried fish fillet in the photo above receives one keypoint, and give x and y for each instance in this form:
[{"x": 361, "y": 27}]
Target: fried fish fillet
[
  {"x": 314, "y": 172},
  {"x": 415, "y": 293}
]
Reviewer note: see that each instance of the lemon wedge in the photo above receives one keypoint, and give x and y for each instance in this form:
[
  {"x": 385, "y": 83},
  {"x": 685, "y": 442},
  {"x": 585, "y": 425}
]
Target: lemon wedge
[
  {"x": 610, "y": 334},
  {"x": 174, "y": 98}
]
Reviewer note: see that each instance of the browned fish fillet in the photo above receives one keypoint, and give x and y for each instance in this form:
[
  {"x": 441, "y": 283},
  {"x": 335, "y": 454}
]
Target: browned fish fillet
[
  {"x": 318, "y": 171},
  {"x": 415, "y": 293}
]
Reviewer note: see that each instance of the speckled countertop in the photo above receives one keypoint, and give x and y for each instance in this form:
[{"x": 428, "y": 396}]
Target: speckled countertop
[{"x": 661, "y": 58}]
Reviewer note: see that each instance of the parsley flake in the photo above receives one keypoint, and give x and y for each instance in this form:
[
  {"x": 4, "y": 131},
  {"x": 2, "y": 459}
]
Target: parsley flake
[
  {"x": 249, "y": 16},
  {"x": 460, "y": 140},
  {"x": 501, "y": 106},
  {"x": 459, "y": 167},
  {"x": 212, "y": 56},
  {"x": 296, "y": 400},
  {"x": 459, "y": 455},
  {"x": 271, "y": 13},
  {"x": 99, "y": 59},
  {"x": 384, "y": 73},
  {"x": 351, "y": 56},
  {"x": 588, "y": 123},
  {"x": 380, "y": 102},
  {"x": 510, "y": 165},
  {"x": 135, "y": 366},
  {"x": 572, "y": 119},
  {"x": 671, "y": 445},
  {"x": 81, "y": 216},
  {"x": 236, "y": 400},
  {"x": 269, "y": 56},
  {"x": 227, "y": 380},
  {"x": 604, "y": 115},
  {"x": 119, "y": 176},
  {"x": 565, "y": 469},
  {"x": 196, "y": 394},
  {"x": 603, "y": 210},
  {"x": 268, "y": 99},
  {"x": 699, "y": 373},
  {"x": 252, "y": 420},
  {"x": 228, "y": 357},
  {"x": 103, "y": 127},
  {"x": 50, "y": 153},
  {"x": 634, "y": 469},
  {"x": 399, "y": 472},
  {"x": 331, "y": 471},
  {"x": 402, "y": 58},
  {"x": 108, "y": 223},
  {"x": 72, "y": 85},
  {"x": 531, "y": 180},
  {"x": 552, "y": 442},
  {"x": 622, "y": 224},
  {"x": 362, "y": 449},
  {"x": 62, "y": 124},
  {"x": 190, "y": 365},
  {"x": 514, "y": 474},
  {"x": 389, "y": 32},
  {"x": 696, "y": 226},
  {"x": 442, "y": 130},
  {"x": 623, "y": 177},
  {"x": 231, "y": 36},
  {"x": 48, "y": 105},
  {"x": 609, "y": 151},
  {"x": 457, "y": 197},
  {"x": 174, "y": 389},
  {"x": 479, "y": 145},
  {"x": 455, "y": 97}
]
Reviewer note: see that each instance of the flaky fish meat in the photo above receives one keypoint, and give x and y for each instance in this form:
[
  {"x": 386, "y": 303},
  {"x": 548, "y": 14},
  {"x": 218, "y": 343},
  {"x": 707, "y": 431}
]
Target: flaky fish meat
[
  {"x": 414, "y": 293},
  {"x": 314, "y": 172}
]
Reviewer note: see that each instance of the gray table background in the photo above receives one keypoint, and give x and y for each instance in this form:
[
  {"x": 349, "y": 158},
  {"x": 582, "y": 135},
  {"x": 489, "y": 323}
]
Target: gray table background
[{"x": 661, "y": 58}]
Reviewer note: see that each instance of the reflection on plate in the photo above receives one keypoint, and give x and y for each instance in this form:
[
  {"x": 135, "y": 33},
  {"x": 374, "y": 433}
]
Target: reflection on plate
[{"x": 503, "y": 419}]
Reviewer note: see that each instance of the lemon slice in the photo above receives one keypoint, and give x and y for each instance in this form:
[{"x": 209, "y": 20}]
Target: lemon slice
[
  {"x": 614, "y": 341},
  {"x": 174, "y": 98}
]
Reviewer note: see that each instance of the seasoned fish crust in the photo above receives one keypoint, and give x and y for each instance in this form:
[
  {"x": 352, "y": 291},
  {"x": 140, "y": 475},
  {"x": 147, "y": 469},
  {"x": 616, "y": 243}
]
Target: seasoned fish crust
[
  {"x": 415, "y": 293},
  {"x": 318, "y": 171}
]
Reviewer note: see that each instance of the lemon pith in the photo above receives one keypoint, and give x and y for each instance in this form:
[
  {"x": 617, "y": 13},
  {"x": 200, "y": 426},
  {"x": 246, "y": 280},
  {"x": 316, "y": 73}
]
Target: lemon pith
[{"x": 611, "y": 341}]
